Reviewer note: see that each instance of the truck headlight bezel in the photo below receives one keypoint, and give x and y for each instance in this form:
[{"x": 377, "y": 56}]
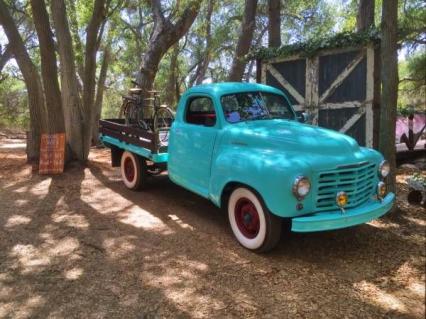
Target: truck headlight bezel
[
  {"x": 384, "y": 169},
  {"x": 301, "y": 187},
  {"x": 381, "y": 190}
]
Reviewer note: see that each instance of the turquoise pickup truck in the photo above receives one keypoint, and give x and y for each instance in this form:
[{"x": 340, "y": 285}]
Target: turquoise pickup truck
[{"x": 242, "y": 146}]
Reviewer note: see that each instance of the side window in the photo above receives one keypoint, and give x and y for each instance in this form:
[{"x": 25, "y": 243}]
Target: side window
[{"x": 200, "y": 111}]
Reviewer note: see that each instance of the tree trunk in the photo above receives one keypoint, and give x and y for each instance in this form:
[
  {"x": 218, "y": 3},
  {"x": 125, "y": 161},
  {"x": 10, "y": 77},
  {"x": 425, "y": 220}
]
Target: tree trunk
[
  {"x": 389, "y": 79},
  {"x": 244, "y": 41},
  {"x": 164, "y": 35},
  {"x": 78, "y": 49},
  {"x": 274, "y": 23},
  {"x": 365, "y": 16},
  {"x": 202, "y": 68},
  {"x": 257, "y": 43},
  {"x": 49, "y": 70},
  {"x": 79, "y": 111},
  {"x": 75, "y": 117},
  {"x": 171, "y": 81},
  {"x": 100, "y": 93},
  {"x": 38, "y": 115},
  {"x": 89, "y": 77}
]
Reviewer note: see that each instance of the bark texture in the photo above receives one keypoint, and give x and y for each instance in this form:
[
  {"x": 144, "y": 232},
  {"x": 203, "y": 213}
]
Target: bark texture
[
  {"x": 79, "y": 111},
  {"x": 389, "y": 79},
  {"x": 74, "y": 114},
  {"x": 171, "y": 86},
  {"x": 89, "y": 77},
  {"x": 244, "y": 41},
  {"x": 49, "y": 70},
  {"x": 100, "y": 93},
  {"x": 38, "y": 114},
  {"x": 164, "y": 35},
  {"x": 365, "y": 16},
  {"x": 274, "y": 23}
]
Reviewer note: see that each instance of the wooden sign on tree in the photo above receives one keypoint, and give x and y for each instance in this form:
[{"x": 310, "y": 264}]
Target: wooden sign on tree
[{"x": 52, "y": 153}]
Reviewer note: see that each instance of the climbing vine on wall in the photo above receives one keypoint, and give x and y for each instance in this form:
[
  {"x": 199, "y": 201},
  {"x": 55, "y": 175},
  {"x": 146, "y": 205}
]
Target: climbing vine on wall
[{"x": 309, "y": 48}]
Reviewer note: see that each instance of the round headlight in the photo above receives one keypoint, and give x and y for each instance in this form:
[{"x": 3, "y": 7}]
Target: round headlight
[
  {"x": 384, "y": 168},
  {"x": 301, "y": 187}
]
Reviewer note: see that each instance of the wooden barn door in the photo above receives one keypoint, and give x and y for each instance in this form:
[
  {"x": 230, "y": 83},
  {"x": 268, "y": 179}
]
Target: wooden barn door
[{"x": 335, "y": 87}]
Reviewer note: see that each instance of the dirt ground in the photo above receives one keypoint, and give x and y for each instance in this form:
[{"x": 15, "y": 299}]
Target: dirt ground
[{"x": 81, "y": 245}]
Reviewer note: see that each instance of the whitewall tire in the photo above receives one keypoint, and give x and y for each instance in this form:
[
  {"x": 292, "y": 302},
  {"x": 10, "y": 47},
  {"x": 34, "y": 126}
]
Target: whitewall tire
[
  {"x": 133, "y": 170},
  {"x": 253, "y": 225}
]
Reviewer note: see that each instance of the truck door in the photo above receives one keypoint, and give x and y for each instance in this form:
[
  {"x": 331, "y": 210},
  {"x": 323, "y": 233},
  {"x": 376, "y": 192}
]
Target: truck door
[{"x": 191, "y": 148}]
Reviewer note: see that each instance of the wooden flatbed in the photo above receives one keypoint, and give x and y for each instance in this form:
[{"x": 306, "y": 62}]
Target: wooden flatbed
[{"x": 119, "y": 137}]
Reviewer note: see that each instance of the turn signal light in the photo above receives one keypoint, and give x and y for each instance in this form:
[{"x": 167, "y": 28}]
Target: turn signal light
[
  {"x": 342, "y": 199},
  {"x": 381, "y": 190}
]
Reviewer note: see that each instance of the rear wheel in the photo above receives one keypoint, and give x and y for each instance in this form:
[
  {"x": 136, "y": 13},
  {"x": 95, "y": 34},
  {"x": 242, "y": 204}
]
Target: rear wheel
[
  {"x": 163, "y": 118},
  {"x": 133, "y": 171},
  {"x": 253, "y": 225}
]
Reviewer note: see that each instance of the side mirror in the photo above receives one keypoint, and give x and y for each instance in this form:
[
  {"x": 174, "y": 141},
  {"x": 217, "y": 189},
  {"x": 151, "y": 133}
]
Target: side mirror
[{"x": 303, "y": 117}]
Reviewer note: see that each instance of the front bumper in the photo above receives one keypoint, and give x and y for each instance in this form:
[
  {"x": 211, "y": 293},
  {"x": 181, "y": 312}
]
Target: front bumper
[{"x": 372, "y": 209}]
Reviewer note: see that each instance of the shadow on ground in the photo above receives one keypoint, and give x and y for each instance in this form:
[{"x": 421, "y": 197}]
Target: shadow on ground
[{"x": 81, "y": 245}]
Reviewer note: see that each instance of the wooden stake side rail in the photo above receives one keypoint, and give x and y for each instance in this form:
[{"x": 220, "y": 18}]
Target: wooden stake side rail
[{"x": 132, "y": 135}]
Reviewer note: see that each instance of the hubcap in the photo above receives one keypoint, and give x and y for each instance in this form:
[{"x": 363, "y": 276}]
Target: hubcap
[
  {"x": 247, "y": 218},
  {"x": 129, "y": 169}
]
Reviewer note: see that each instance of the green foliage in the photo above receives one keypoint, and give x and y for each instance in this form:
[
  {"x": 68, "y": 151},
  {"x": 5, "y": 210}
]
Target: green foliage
[
  {"x": 412, "y": 85},
  {"x": 306, "y": 27},
  {"x": 312, "y": 46},
  {"x": 112, "y": 103},
  {"x": 13, "y": 103}
]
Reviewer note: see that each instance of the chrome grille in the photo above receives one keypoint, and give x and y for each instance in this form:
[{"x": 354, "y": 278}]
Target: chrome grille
[{"x": 357, "y": 180}]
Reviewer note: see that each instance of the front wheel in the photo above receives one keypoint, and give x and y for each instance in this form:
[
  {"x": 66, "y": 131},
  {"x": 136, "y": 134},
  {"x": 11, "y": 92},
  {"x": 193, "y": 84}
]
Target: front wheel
[
  {"x": 133, "y": 171},
  {"x": 252, "y": 224}
]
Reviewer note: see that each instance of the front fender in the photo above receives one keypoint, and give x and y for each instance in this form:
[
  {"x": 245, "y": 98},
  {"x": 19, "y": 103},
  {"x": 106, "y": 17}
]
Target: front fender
[{"x": 270, "y": 173}]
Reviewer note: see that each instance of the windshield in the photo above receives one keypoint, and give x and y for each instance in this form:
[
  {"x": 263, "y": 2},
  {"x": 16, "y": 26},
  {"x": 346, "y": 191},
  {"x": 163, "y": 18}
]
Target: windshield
[{"x": 246, "y": 106}]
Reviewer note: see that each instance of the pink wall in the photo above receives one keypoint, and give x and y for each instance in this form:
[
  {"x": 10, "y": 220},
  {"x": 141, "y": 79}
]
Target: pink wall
[{"x": 402, "y": 125}]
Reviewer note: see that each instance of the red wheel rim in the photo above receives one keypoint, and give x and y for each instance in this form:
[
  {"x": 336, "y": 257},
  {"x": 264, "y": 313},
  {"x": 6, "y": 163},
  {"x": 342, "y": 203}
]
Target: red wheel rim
[
  {"x": 247, "y": 218},
  {"x": 129, "y": 169}
]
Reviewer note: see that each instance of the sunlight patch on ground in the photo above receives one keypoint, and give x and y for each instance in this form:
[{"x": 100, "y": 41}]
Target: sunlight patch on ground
[
  {"x": 71, "y": 219},
  {"x": 120, "y": 247},
  {"x": 141, "y": 218},
  {"x": 182, "y": 224},
  {"x": 29, "y": 258},
  {"x": 12, "y": 146},
  {"x": 383, "y": 225},
  {"x": 27, "y": 308},
  {"x": 380, "y": 297},
  {"x": 416, "y": 220},
  {"x": 407, "y": 298},
  {"x": 418, "y": 288},
  {"x": 100, "y": 198},
  {"x": 16, "y": 220},
  {"x": 179, "y": 280},
  {"x": 41, "y": 188},
  {"x": 74, "y": 273},
  {"x": 63, "y": 247},
  {"x": 21, "y": 202}
]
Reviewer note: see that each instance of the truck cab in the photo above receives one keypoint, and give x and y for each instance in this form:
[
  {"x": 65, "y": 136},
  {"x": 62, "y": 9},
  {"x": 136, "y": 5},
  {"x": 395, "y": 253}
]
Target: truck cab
[{"x": 242, "y": 146}]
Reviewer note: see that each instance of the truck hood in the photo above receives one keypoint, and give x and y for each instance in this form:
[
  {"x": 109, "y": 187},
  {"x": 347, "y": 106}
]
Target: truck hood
[{"x": 284, "y": 135}]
